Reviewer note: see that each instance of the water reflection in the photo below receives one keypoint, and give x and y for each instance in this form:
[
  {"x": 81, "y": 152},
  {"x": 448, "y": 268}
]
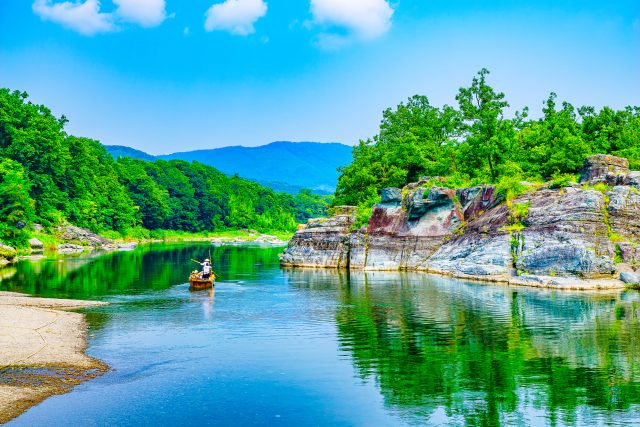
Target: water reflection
[
  {"x": 153, "y": 267},
  {"x": 488, "y": 355},
  {"x": 322, "y": 344}
]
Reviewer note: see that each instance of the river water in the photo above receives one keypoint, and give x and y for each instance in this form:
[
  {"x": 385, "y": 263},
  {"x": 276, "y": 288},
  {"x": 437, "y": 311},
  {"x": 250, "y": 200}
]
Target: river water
[{"x": 306, "y": 347}]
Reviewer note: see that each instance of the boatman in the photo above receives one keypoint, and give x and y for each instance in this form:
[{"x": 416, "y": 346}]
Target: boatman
[{"x": 206, "y": 268}]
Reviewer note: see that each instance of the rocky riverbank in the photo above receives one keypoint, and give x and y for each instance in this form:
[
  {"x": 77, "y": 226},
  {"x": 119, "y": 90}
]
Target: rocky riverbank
[
  {"x": 41, "y": 351},
  {"x": 580, "y": 236}
]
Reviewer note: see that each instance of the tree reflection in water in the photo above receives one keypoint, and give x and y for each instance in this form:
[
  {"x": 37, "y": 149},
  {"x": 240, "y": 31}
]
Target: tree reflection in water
[
  {"x": 488, "y": 355},
  {"x": 147, "y": 268}
]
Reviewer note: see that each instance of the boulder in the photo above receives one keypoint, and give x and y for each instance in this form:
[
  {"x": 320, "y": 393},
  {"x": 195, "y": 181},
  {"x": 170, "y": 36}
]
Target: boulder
[
  {"x": 565, "y": 234},
  {"x": 625, "y": 250},
  {"x": 473, "y": 256},
  {"x": 36, "y": 245},
  {"x": 81, "y": 236},
  {"x": 624, "y": 267},
  {"x": 596, "y": 168},
  {"x": 477, "y": 200},
  {"x": 632, "y": 179},
  {"x": 630, "y": 278},
  {"x": 69, "y": 248},
  {"x": 391, "y": 196},
  {"x": 623, "y": 208},
  {"x": 129, "y": 246}
]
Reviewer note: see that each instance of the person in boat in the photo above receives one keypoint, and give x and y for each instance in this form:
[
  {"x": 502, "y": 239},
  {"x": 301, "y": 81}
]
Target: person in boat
[{"x": 206, "y": 268}]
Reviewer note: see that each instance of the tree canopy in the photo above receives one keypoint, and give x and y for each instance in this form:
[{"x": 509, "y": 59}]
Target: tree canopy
[{"x": 476, "y": 142}]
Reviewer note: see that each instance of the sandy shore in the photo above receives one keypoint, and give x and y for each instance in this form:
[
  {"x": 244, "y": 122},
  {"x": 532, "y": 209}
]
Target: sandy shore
[{"x": 41, "y": 351}]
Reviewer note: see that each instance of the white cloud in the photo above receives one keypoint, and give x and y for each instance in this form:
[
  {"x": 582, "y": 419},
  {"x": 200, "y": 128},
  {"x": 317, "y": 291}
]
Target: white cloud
[
  {"x": 83, "y": 17},
  {"x": 235, "y": 16},
  {"x": 146, "y": 13},
  {"x": 86, "y": 18},
  {"x": 364, "y": 19}
]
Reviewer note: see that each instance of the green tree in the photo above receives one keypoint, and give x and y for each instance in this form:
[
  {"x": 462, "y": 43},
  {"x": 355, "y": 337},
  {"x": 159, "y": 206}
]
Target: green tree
[
  {"x": 151, "y": 200},
  {"x": 415, "y": 139},
  {"x": 488, "y": 136},
  {"x": 553, "y": 144},
  {"x": 16, "y": 207}
]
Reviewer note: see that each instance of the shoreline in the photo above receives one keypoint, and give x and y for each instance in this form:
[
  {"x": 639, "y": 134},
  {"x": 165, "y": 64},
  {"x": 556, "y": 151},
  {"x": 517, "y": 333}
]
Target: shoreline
[
  {"x": 42, "y": 350},
  {"x": 124, "y": 246},
  {"x": 529, "y": 281}
]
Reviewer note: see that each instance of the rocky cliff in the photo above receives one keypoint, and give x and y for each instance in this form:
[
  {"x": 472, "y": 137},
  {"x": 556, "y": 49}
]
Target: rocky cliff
[{"x": 583, "y": 235}]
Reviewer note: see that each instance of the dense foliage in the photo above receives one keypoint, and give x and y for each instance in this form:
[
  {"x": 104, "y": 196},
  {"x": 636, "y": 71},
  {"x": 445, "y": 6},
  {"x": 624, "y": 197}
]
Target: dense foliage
[
  {"x": 476, "y": 142},
  {"x": 47, "y": 177}
]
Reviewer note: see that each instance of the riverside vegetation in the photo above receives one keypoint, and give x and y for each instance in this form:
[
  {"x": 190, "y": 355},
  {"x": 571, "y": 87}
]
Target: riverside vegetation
[
  {"x": 48, "y": 178},
  {"x": 476, "y": 143}
]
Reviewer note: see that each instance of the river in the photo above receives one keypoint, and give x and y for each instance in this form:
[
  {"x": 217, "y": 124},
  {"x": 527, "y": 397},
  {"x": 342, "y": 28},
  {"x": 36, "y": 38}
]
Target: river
[{"x": 307, "y": 347}]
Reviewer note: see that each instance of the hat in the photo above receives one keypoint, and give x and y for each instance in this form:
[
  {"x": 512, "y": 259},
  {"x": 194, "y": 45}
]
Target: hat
[{"x": 206, "y": 260}]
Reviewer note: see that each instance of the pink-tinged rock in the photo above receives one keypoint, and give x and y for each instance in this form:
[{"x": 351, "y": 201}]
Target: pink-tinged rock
[
  {"x": 477, "y": 200},
  {"x": 483, "y": 249},
  {"x": 387, "y": 220}
]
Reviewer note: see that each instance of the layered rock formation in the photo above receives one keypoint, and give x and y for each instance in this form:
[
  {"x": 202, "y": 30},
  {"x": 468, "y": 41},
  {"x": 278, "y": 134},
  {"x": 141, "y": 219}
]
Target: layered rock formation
[
  {"x": 583, "y": 235},
  {"x": 322, "y": 242}
]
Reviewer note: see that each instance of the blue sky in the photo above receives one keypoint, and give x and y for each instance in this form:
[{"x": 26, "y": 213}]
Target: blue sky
[{"x": 168, "y": 75}]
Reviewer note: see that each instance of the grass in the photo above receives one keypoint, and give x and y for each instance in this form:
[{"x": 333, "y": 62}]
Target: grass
[
  {"x": 562, "y": 180},
  {"x": 618, "y": 255},
  {"x": 520, "y": 211},
  {"x": 615, "y": 237},
  {"x": 600, "y": 187},
  {"x": 513, "y": 228},
  {"x": 363, "y": 213},
  {"x": 49, "y": 241}
]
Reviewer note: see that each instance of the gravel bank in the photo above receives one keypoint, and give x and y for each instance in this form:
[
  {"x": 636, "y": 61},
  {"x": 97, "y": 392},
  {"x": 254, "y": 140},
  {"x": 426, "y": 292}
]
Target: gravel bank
[{"x": 41, "y": 351}]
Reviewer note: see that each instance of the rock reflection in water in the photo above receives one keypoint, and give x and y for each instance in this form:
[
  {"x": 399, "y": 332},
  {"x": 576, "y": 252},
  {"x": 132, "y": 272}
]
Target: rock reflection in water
[{"x": 488, "y": 355}]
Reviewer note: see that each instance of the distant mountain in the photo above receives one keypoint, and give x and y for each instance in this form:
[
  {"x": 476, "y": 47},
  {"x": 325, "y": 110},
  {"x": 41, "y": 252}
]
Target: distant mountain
[
  {"x": 283, "y": 166},
  {"x": 122, "y": 151}
]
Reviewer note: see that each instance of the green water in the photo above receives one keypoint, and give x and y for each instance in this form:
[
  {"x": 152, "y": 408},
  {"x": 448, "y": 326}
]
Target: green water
[{"x": 306, "y": 347}]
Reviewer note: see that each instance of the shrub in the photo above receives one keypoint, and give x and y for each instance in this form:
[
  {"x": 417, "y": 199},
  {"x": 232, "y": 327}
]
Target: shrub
[{"x": 562, "y": 180}]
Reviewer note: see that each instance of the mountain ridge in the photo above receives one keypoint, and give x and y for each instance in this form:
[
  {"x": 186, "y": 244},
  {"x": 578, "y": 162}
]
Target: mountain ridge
[{"x": 282, "y": 165}]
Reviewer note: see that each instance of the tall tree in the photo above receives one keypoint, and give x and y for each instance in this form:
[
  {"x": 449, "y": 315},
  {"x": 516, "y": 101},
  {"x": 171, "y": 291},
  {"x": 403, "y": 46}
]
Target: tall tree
[
  {"x": 16, "y": 207},
  {"x": 487, "y": 135}
]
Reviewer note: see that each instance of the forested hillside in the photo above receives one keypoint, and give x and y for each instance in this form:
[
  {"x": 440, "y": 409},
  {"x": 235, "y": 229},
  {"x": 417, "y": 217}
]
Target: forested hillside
[
  {"x": 286, "y": 167},
  {"x": 122, "y": 151},
  {"x": 48, "y": 177},
  {"x": 476, "y": 142},
  {"x": 299, "y": 164}
]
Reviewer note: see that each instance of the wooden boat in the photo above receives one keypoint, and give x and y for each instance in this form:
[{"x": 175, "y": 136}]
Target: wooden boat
[{"x": 196, "y": 282}]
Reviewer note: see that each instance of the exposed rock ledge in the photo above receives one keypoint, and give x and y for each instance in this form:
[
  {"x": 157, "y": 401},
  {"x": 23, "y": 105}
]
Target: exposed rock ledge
[{"x": 571, "y": 238}]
